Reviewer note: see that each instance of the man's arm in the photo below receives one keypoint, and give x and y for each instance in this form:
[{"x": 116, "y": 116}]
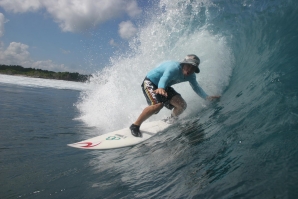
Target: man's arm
[
  {"x": 164, "y": 79},
  {"x": 196, "y": 87},
  {"x": 163, "y": 82}
]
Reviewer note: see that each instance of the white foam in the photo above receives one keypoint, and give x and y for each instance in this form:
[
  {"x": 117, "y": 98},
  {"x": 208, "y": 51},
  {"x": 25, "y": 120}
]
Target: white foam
[{"x": 39, "y": 82}]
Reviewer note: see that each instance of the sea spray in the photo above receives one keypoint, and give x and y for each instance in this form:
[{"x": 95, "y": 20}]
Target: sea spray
[{"x": 117, "y": 100}]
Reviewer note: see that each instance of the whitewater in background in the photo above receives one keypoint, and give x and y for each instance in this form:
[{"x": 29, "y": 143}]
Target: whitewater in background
[{"x": 44, "y": 83}]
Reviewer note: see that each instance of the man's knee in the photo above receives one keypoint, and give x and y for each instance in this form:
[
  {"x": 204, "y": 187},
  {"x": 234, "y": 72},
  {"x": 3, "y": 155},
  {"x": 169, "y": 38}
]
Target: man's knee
[
  {"x": 158, "y": 107},
  {"x": 181, "y": 104}
]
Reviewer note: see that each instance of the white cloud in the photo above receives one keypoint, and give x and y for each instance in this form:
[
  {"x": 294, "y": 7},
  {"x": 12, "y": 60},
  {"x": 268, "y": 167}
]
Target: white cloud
[
  {"x": 132, "y": 9},
  {"x": 127, "y": 29},
  {"x": 18, "y": 54},
  {"x": 21, "y": 6},
  {"x": 76, "y": 15},
  {"x": 1, "y": 46},
  {"x": 15, "y": 54},
  {"x": 65, "y": 52},
  {"x": 49, "y": 65},
  {"x": 2, "y": 21},
  {"x": 113, "y": 43}
]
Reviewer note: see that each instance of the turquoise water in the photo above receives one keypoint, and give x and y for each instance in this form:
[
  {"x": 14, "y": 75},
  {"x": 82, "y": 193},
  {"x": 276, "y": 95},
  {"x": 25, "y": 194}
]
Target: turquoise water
[{"x": 243, "y": 146}]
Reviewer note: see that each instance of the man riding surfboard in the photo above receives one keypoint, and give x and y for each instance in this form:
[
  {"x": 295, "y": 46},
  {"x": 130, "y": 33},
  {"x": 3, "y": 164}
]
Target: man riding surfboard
[{"x": 159, "y": 93}]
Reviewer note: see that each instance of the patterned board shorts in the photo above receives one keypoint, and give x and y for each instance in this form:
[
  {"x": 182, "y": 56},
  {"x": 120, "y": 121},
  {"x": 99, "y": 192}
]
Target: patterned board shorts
[{"x": 152, "y": 98}]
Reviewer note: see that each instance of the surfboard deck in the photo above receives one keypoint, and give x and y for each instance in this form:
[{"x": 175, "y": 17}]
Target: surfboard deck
[{"x": 121, "y": 138}]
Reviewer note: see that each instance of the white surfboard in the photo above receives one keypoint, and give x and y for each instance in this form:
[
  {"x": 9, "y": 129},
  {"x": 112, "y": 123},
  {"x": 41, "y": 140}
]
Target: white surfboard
[{"x": 121, "y": 138}]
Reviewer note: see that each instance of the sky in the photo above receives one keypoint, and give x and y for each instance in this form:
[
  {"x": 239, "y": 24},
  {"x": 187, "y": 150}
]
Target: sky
[{"x": 67, "y": 35}]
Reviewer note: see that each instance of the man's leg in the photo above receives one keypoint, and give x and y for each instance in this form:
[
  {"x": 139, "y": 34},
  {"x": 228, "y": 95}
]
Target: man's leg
[
  {"x": 179, "y": 105},
  {"x": 148, "y": 112},
  {"x": 152, "y": 98}
]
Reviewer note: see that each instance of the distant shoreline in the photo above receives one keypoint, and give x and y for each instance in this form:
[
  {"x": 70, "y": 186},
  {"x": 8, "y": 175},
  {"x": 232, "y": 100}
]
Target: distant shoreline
[{"x": 45, "y": 74}]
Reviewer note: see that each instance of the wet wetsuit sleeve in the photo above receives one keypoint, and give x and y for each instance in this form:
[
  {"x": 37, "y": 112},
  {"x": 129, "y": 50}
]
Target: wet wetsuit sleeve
[
  {"x": 165, "y": 78},
  {"x": 196, "y": 87}
]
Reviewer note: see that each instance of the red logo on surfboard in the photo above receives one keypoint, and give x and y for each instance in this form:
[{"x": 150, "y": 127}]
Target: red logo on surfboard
[{"x": 88, "y": 144}]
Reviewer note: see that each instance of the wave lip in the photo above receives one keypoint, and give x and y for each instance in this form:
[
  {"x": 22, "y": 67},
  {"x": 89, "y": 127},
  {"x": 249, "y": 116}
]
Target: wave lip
[{"x": 170, "y": 32}]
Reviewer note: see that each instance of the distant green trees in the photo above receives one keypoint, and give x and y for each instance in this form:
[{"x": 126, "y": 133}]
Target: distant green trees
[{"x": 32, "y": 72}]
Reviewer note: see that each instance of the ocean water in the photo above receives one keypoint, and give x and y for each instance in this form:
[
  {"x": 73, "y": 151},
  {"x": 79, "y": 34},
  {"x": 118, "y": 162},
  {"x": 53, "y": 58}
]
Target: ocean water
[{"x": 243, "y": 146}]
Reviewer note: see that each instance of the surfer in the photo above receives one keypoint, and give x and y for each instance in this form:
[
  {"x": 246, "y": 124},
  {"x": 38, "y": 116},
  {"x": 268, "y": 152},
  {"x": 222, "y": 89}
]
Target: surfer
[{"x": 159, "y": 93}]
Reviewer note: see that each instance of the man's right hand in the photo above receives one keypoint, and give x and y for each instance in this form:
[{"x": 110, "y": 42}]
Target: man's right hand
[{"x": 161, "y": 91}]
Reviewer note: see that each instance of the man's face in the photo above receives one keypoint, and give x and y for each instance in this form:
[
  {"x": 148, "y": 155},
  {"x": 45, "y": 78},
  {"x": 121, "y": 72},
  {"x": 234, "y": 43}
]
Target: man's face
[{"x": 188, "y": 69}]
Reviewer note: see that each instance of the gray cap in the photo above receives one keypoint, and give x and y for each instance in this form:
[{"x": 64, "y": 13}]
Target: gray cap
[{"x": 192, "y": 60}]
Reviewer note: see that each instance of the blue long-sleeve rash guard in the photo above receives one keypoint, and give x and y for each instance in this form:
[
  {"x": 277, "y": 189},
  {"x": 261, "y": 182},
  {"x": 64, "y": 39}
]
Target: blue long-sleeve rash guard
[{"x": 170, "y": 73}]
